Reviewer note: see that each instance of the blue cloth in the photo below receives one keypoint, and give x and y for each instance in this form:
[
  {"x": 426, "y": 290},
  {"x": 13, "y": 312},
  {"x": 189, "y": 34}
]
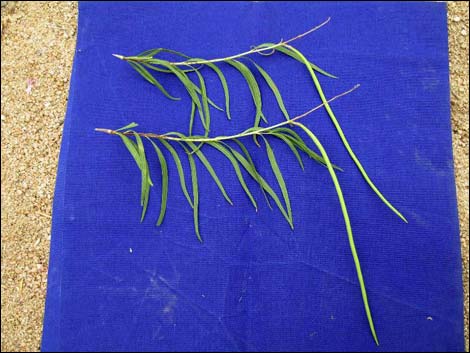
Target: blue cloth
[{"x": 254, "y": 285}]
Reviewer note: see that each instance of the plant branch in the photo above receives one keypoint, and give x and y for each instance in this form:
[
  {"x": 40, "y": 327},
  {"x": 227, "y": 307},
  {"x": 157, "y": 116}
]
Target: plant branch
[
  {"x": 239, "y": 135},
  {"x": 252, "y": 51}
]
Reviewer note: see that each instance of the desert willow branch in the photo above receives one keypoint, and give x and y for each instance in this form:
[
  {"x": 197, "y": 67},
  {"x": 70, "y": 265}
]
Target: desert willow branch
[
  {"x": 241, "y": 134},
  {"x": 252, "y": 51}
]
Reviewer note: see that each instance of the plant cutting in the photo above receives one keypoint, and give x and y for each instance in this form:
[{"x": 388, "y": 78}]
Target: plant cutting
[{"x": 192, "y": 146}]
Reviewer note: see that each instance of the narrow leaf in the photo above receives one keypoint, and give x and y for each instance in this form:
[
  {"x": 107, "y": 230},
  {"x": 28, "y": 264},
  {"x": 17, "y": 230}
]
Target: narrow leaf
[
  {"x": 191, "y": 118},
  {"x": 223, "y": 81},
  {"x": 131, "y": 147},
  {"x": 279, "y": 177},
  {"x": 291, "y": 145},
  {"x": 164, "y": 167},
  {"x": 194, "y": 86},
  {"x": 297, "y": 141},
  {"x": 195, "y": 196},
  {"x": 179, "y": 167},
  {"x": 129, "y": 126},
  {"x": 194, "y": 181},
  {"x": 204, "y": 161},
  {"x": 252, "y": 84},
  {"x": 190, "y": 88},
  {"x": 210, "y": 170},
  {"x": 150, "y": 64},
  {"x": 252, "y": 165},
  {"x": 256, "y": 176},
  {"x": 145, "y": 74},
  {"x": 205, "y": 104},
  {"x": 138, "y": 153},
  {"x": 152, "y": 52},
  {"x": 274, "y": 88},
  {"x": 292, "y": 54},
  {"x": 146, "y": 181},
  {"x": 234, "y": 162}
]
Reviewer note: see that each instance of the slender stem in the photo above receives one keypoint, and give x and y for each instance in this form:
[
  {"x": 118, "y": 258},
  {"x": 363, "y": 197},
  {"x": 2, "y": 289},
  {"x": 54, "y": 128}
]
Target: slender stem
[
  {"x": 252, "y": 51},
  {"x": 241, "y": 134},
  {"x": 343, "y": 137},
  {"x": 348, "y": 228}
]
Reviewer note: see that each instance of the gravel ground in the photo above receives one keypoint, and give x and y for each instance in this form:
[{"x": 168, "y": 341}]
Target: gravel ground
[{"x": 38, "y": 41}]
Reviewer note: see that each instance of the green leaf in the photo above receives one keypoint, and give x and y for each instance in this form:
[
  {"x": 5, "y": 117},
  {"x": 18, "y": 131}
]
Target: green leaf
[
  {"x": 131, "y": 147},
  {"x": 179, "y": 167},
  {"x": 138, "y": 153},
  {"x": 274, "y": 88},
  {"x": 204, "y": 161},
  {"x": 192, "y": 84},
  {"x": 145, "y": 74},
  {"x": 253, "y": 85},
  {"x": 205, "y": 104},
  {"x": 141, "y": 151},
  {"x": 195, "y": 195},
  {"x": 299, "y": 143},
  {"x": 252, "y": 165},
  {"x": 292, "y": 54},
  {"x": 279, "y": 177},
  {"x": 150, "y": 65},
  {"x": 289, "y": 143},
  {"x": 129, "y": 126},
  {"x": 190, "y": 88},
  {"x": 297, "y": 140},
  {"x": 223, "y": 81},
  {"x": 192, "y": 165},
  {"x": 348, "y": 227},
  {"x": 210, "y": 170},
  {"x": 146, "y": 181},
  {"x": 164, "y": 167},
  {"x": 152, "y": 52},
  {"x": 343, "y": 137},
  {"x": 234, "y": 162},
  {"x": 191, "y": 118},
  {"x": 264, "y": 117},
  {"x": 257, "y": 177}
]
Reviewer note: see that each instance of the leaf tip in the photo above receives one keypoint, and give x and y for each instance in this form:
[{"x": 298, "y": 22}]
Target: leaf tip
[{"x": 376, "y": 340}]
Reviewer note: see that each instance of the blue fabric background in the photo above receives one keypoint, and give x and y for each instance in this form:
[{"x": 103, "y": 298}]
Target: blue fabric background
[{"x": 254, "y": 284}]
